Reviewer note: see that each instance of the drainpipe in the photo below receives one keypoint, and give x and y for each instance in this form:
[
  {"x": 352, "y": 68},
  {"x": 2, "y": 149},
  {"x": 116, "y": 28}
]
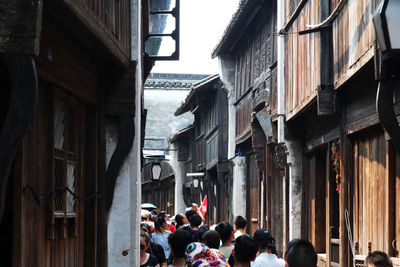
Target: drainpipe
[
  {"x": 281, "y": 72},
  {"x": 281, "y": 107}
]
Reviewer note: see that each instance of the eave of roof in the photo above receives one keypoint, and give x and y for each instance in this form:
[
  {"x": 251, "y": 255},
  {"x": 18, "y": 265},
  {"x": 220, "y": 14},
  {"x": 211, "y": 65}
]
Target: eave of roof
[
  {"x": 181, "y": 133},
  {"x": 197, "y": 88},
  {"x": 240, "y": 21}
]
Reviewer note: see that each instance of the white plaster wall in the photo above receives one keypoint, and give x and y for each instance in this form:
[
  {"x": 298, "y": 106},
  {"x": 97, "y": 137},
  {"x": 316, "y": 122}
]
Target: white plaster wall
[
  {"x": 295, "y": 187},
  {"x": 178, "y": 167},
  {"x": 239, "y": 187},
  {"x": 227, "y": 76},
  {"x": 119, "y": 221},
  {"x": 135, "y": 161},
  {"x": 161, "y": 106}
]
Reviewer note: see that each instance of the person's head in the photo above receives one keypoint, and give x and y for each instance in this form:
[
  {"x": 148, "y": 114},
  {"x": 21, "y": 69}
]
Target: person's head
[
  {"x": 289, "y": 245},
  {"x": 302, "y": 254},
  {"x": 195, "y": 221},
  {"x": 187, "y": 229},
  {"x": 211, "y": 239},
  {"x": 265, "y": 240},
  {"x": 202, "y": 230},
  {"x": 145, "y": 227},
  {"x": 144, "y": 241},
  {"x": 190, "y": 213},
  {"x": 178, "y": 242},
  {"x": 161, "y": 224},
  {"x": 179, "y": 218},
  {"x": 378, "y": 259},
  {"x": 240, "y": 223},
  {"x": 225, "y": 231},
  {"x": 245, "y": 249}
]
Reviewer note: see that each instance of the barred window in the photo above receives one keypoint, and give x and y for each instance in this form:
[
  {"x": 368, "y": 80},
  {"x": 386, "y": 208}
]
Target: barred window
[{"x": 66, "y": 167}]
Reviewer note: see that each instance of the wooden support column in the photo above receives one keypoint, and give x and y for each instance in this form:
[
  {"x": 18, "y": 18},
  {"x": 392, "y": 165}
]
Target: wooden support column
[
  {"x": 328, "y": 208},
  {"x": 344, "y": 200},
  {"x": 389, "y": 195}
]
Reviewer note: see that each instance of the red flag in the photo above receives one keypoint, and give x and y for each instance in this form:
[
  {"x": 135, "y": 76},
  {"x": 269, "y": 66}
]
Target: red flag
[{"x": 203, "y": 207}]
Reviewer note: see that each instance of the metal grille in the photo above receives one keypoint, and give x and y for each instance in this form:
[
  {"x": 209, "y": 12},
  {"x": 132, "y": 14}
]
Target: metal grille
[{"x": 64, "y": 155}]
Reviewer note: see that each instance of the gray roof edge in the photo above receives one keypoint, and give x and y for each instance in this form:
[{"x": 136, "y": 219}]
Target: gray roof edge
[
  {"x": 243, "y": 8},
  {"x": 196, "y": 86}
]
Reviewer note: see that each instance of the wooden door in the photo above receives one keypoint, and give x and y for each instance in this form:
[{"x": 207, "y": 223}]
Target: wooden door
[
  {"x": 315, "y": 194},
  {"x": 275, "y": 175},
  {"x": 373, "y": 190},
  {"x": 253, "y": 194}
]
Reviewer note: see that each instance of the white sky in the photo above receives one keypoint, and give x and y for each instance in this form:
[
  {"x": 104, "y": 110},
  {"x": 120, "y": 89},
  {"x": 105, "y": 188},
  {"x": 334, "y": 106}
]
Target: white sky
[{"x": 202, "y": 25}]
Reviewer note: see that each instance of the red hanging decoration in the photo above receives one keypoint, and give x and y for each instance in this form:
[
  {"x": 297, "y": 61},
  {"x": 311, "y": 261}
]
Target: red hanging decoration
[{"x": 336, "y": 163}]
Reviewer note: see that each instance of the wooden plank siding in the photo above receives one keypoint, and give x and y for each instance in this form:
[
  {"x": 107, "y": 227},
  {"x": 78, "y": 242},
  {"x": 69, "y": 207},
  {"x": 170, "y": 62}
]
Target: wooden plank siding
[
  {"x": 353, "y": 38},
  {"x": 243, "y": 117},
  {"x": 373, "y": 187},
  {"x": 302, "y": 75},
  {"x": 109, "y": 21},
  {"x": 255, "y": 62}
]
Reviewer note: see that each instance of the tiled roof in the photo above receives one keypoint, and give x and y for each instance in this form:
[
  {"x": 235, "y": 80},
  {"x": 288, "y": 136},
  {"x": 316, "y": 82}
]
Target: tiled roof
[
  {"x": 172, "y": 81},
  {"x": 181, "y": 133},
  {"x": 237, "y": 24},
  {"x": 197, "y": 88}
]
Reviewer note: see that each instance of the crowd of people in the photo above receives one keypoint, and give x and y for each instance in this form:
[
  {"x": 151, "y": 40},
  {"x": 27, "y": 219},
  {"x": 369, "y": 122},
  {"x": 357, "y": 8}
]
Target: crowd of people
[{"x": 184, "y": 240}]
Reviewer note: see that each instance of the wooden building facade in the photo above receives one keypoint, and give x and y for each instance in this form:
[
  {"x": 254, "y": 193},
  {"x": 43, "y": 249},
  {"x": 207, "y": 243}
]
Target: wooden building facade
[
  {"x": 67, "y": 73},
  {"x": 343, "y": 165},
  {"x": 349, "y": 162},
  {"x": 250, "y": 44},
  {"x": 204, "y": 150}
]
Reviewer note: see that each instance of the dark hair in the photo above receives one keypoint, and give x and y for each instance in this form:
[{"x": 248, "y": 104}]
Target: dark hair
[
  {"x": 211, "y": 239},
  {"x": 178, "y": 241},
  {"x": 190, "y": 213},
  {"x": 246, "y": 248},
  {"x": 160, "y": 220},
  {"x": 179, "y": 220},
  {"x": 145, "y": 226},
  {"x": 265, "y": 240},
  {"x": 201, "y": 231},
  {"x": 302, "y": 254},
  {"x": 225, "y": 231},
  {"x": 289, "y": 245},
  {"x": 186, "y": 228},
  {"x": 378, "y": 259},
  {"x": 240, "y": 222},
  {"x": 195, "y": 220}
]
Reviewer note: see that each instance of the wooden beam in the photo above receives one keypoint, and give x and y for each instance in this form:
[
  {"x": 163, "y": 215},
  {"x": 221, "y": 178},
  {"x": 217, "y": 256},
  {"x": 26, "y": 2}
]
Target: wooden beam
[
  {"x": 294, "y": 16},
  {"x": 20, "y": 26},
  {"x": 343, "y": 199}
]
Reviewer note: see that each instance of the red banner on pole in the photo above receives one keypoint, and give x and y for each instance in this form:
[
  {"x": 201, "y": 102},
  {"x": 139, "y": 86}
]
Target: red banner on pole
[{"x": 203, "y": 207}]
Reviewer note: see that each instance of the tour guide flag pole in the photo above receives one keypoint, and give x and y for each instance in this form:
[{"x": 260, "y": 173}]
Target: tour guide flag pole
[{"x": 203, "y": 207}]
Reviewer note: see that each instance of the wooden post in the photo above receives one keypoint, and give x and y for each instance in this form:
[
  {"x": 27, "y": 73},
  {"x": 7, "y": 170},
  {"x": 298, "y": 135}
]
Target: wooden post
[
  {"x": 328, "y": 208},
  {"x": 343, "y": 200}
]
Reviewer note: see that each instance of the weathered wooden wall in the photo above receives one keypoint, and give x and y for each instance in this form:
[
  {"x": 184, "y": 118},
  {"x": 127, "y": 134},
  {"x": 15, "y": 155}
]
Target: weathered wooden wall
[
  {"x": 353, "y": 38},
  {"x": 371, "y": 206},
  {"x": 253, "y": 194},
  {"x": 243, "y": 117},
  {"x": 110, "y": 16},
  {"x": 302, "y": 59},
  {"x": 255, "y": 57}
]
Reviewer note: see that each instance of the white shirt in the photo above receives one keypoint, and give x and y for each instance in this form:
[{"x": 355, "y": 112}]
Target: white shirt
[
  {"x": 268, "y": 260},
  {"x": 238, "y": 233}
]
